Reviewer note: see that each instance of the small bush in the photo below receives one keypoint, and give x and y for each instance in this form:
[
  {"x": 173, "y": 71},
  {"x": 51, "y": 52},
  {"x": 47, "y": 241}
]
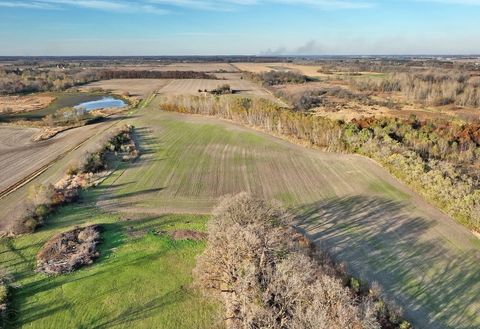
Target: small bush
[
  {"x": 222, "y": 90},
  {"x": 68, "y": 251},
  {"x": 355, "y": 285}
]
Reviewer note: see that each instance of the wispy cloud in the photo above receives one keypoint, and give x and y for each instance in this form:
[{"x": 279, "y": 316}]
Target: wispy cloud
[
  {"x": 125, "y": 6},
  {"x": 233, "y": 4},
  {"x": 164, "y": 6},
  {"x": 25, "y": 4},
  {"x": 455, "y": 2}
]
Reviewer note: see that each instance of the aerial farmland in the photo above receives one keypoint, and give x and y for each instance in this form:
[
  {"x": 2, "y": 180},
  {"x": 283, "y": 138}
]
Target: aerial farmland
[{"x": 324, "y": 178}]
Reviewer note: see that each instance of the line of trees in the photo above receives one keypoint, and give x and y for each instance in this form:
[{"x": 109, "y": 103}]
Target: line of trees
[
  {"x": 146, "y": 74},
  {"x": 439, "y": 161},
  {"x": 40, "y": 80},
  {"x": 274, "y": 78},
  {"x": 269, "y": 276}
]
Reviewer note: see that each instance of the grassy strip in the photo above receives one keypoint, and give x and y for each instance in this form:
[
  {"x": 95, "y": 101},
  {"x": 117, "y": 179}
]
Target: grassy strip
[{"x": 141, "y": 279}]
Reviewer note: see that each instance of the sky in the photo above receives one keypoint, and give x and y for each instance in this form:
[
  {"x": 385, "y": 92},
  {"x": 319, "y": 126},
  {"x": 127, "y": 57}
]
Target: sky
[{"x": 239, "y": 27}]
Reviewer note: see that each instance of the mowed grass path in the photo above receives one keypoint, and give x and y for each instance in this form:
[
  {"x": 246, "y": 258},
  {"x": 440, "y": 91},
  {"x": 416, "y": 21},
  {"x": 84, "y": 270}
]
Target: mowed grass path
[
  {"x": 423, "y": 259},
  {"x": 142, "y": 279}
]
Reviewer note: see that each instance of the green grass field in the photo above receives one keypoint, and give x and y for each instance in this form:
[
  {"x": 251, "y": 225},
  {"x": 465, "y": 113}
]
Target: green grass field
[
  {"x": 347, "y": 204},
  {"x": 188, "y": 164},
  {"x": 142, "y": 279}
]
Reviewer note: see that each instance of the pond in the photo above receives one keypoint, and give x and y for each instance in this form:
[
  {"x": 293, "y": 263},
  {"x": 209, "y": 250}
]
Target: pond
[
  {"x": 105, "y": 102},
  {"x": 62, "y": 100}
]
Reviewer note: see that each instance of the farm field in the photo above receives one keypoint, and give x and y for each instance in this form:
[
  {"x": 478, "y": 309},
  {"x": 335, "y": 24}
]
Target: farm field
[
  {"x": 141, "y": 280},
  {"x": 140, "y": 88},
  {"x": 347, "y": 204},
  {"x": 191, "y": 86},
  {"x": 239, "y": 164},
  {"x": 308, "y": 70},
  {"x": 21, "y": 158}
]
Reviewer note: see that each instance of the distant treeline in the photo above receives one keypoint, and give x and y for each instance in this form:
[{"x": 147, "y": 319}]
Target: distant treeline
[
  {"x": 439, "y": 160},
  {"x": 17, "y": 81},
  {"x": 144, "y": 74}
]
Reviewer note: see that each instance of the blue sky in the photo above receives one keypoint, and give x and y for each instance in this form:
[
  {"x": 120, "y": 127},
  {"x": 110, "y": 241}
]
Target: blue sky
[{"x": 243, "y": 27}]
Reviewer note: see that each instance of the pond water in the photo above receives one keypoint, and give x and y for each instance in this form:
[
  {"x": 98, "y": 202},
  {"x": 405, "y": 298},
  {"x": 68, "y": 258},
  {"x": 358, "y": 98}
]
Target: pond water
[
  {"x": 105, "y": 102},
  {"x": 62, "y": 100}
]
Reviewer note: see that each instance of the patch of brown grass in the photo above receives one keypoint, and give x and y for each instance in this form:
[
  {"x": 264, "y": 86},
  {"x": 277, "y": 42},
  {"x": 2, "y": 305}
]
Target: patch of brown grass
[{"x": 18, "y": 104}]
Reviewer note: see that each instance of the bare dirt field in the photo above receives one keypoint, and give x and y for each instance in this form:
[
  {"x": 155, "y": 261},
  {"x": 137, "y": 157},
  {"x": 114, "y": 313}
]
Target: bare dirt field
[
  {"x": 16, "y": 104},
  {"x": 422, "y": 258},
  {"x": 21, "y": 159},
  {"x": 192, "y": 86},
  {"x": 138, "y": 88},
  {"x": 308, "y": 70}
]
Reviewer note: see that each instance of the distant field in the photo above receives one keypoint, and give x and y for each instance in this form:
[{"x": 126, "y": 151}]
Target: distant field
[
  {"x": 142, "y": 280},
  {"x": 309, "y": 70},
  {"x": 12, "y": 104},
  {"x": 140, "y": 88},
  {"x": 192, "y": 86},
  {"x": 135, "y": 87}
]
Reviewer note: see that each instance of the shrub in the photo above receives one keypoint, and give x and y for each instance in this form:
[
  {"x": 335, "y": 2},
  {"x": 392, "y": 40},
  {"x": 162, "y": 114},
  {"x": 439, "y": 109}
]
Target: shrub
[
  {"x": 94, "y": 162},
  {"x": 267, "y": 279},
  {"x": 222, "y": 90},
  {"x": 68, "y": 251},
  {"x": 5, "y": 284}
]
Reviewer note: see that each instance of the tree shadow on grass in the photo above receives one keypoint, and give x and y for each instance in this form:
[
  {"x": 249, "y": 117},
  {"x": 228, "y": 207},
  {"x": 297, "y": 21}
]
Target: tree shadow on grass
[
  {"x": 437, "y": 284},
  {"x": 140, "y": 312},
  {"x": 113, "y": 236}
]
